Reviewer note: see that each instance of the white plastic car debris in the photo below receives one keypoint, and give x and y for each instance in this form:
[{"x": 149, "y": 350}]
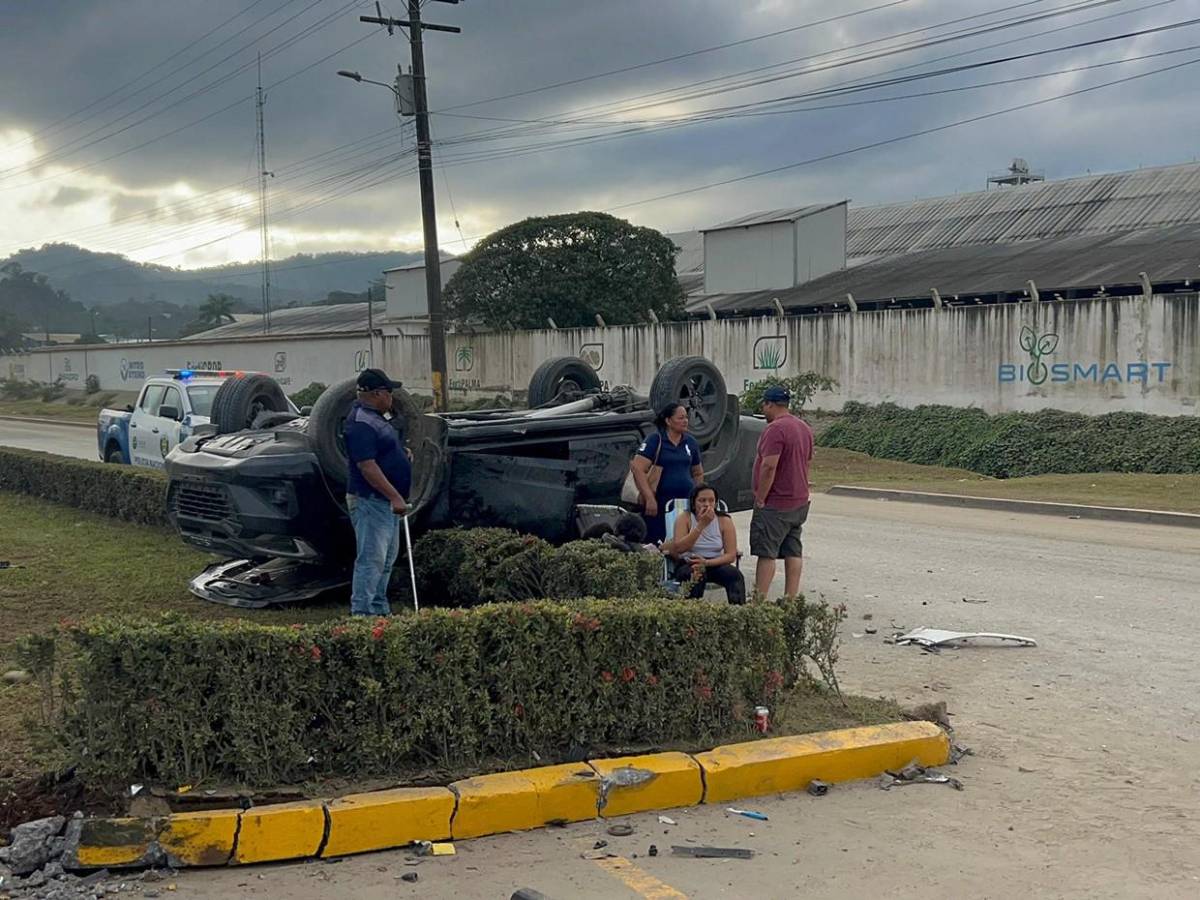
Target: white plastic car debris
[{"x": 939, "y": 637}]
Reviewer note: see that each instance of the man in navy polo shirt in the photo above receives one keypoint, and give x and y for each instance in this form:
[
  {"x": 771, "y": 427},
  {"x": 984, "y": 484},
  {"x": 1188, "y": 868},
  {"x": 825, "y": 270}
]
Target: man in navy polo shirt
[{"x": 380, "y": 476}]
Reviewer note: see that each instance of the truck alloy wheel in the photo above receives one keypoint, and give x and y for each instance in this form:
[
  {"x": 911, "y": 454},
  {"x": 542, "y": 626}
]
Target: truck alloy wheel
[{"x": 699, "y": 386}]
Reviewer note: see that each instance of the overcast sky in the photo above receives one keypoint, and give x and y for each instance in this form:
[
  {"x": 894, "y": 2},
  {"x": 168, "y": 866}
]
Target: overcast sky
[{"x": 101, "y": 142}]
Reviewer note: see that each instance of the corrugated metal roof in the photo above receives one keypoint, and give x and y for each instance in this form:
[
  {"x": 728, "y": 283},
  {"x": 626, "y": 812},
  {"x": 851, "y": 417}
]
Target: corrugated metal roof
[
  {"x": 1070, "y": 263},
  {"x": 1093, "y": 204},
  {"x": 346, "y": 318},
  {"x": 690, "y": 257},
  {"x": 774, "y": 215}
]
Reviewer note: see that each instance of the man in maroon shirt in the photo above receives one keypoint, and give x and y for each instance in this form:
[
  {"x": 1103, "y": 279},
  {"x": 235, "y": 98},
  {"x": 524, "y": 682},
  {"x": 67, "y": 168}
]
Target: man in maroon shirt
[{"x": 781, "y": 493}]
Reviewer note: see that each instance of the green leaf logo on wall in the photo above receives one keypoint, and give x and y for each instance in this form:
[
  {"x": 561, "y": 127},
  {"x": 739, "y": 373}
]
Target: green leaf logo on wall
[
  {"x": 770, "y": 352},
  {"x": 464, "y": 359},
  {"x": 1038, "y": 346}
]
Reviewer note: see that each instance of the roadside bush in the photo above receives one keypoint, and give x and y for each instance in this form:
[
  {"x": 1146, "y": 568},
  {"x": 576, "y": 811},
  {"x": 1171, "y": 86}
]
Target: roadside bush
[
  {"x": 180, "y": 701},
  {"x": 122, "y": 492},
  {"x": 16, "y": 389},
  {"x": 55, "y": 390},
  {"x": 802, "y": 388},
  {"x": 92, "y": 384},
  {"x": 1016, "y": 444},
  {"x": 467, "y": 567},
  {"x": 308, "y": 396}
]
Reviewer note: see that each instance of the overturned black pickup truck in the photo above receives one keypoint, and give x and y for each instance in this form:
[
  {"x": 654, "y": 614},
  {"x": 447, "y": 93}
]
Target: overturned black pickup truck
[{"x": 265, "y": 487}]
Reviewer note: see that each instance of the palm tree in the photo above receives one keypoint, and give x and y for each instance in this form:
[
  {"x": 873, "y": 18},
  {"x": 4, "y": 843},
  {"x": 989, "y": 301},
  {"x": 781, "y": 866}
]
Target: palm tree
[{"x": 216, "y": 309}]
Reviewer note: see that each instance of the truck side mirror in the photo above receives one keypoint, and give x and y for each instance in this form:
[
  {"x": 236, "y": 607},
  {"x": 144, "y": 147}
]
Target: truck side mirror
[
  {"x": 129, "y": 407},
  {"x": 169, "y": 412}
]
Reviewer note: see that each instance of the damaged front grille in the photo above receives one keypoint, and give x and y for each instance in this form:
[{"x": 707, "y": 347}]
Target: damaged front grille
[{"x": 209, "y": 503}]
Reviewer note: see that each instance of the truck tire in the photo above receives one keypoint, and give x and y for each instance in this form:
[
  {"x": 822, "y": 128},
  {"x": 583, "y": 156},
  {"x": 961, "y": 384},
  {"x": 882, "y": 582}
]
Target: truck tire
[
  {"x": 558, "y": 374},
  {"x": 699, "y": 386},
  {"x": 329, "y": 413},
  {"x": 239, "y": 401},
  {"x": 112, "y": 453}
]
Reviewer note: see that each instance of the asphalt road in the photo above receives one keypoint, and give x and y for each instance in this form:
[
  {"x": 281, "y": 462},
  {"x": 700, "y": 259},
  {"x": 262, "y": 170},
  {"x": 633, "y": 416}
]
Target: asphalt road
[
  {"x": 65, "y": 440},
  {"x": 1084, "y": 781}
]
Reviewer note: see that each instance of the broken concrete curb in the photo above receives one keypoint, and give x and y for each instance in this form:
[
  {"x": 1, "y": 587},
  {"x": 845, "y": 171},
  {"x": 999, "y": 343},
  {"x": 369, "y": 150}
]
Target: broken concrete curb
[
  {"x": 1034, "y": 507},
  {"x": 506, "y": 801}
]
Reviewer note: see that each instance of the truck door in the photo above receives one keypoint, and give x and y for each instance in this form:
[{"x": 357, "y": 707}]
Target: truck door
[
  {"x": 144, "y": 430},
  {"x": 169, "y": 426}
]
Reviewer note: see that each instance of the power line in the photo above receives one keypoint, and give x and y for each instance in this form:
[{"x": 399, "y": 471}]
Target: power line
[
  {"x": 677, "y": 57},
  {"x": 904, "y": 137}
]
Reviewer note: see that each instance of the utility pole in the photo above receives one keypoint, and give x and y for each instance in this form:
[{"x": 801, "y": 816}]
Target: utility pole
[
  {"x": 262, "y": 204},
  {"x": 433, "y": 267}
]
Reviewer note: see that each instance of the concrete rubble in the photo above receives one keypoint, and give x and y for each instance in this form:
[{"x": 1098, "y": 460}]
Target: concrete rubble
[{"x": 34, "y": 866}]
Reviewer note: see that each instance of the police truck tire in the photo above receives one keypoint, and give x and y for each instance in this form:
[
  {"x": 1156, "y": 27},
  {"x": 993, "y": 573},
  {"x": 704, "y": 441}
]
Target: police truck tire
[
  {"x": 699, "y": 386},
  {"x": 239, "y": 401},
  {"x": 558, "y": 374},
  {"x": 329, "y": 414}
]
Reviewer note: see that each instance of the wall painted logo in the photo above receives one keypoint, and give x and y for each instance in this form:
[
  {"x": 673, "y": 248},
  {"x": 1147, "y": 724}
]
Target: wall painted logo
[
  {"x": 362, "y": 360},
  {"x": 132, "y": 369},
  {"x": 770, "y": 352},
  {"x": 281, "y": 361},
  {"x": 1037, "y": 372},
  {"x": 464, "y": 358},
  {"x": 593, "y": 355}
]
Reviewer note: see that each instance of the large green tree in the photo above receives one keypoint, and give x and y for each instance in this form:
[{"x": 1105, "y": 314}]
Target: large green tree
[{"x": 569, "y": 268}]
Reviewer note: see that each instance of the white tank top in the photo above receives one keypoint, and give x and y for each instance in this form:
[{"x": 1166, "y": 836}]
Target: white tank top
[{"x": 710, "y": 544}]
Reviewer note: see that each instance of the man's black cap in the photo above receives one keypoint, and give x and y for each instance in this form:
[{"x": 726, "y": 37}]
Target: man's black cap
[{"x": 375, "y": 380}]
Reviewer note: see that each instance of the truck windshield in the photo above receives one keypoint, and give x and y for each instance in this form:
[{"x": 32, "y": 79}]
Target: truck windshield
[{"x": 201, "y": 396}]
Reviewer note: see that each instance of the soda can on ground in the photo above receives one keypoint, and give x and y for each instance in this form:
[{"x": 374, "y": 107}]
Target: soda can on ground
[{"x": 762, "y": 719}]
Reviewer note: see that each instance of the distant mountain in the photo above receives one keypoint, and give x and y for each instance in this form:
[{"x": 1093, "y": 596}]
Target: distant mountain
[{"x": 103, "y": 279}]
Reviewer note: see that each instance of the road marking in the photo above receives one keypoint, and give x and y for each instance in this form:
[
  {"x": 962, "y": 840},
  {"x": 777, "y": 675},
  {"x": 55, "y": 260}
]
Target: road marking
[{"x": 639, "y": 880}]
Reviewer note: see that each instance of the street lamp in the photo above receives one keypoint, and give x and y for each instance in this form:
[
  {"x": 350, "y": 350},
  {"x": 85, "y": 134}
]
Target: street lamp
[{"x": 409, "y": 91}]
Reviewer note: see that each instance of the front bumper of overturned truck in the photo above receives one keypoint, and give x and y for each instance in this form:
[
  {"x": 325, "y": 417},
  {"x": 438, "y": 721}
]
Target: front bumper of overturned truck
[{"x": 257, "y": 495}]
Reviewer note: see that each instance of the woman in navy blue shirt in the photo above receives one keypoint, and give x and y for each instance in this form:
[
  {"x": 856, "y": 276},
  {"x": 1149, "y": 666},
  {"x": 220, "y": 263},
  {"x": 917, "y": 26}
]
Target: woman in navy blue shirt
[{"x": 676, "y": 454}]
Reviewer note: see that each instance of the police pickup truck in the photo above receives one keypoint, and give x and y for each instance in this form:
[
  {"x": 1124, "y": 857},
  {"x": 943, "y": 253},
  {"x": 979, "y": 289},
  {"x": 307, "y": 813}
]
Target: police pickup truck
[{"x": 167, "y": 411}]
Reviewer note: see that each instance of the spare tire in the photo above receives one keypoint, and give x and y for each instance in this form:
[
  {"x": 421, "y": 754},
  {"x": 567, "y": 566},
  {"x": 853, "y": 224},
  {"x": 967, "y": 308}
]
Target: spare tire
[
  {"x": 240, "y": 401},
  {"x": 559, "y": 374},
  {"x": 699, "y": 386},
  {"x": 329, "y": 414}
]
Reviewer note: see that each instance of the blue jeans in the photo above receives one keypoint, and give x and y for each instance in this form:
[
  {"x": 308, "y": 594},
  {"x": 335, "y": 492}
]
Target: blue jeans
[{"x": 377, "y": 536}]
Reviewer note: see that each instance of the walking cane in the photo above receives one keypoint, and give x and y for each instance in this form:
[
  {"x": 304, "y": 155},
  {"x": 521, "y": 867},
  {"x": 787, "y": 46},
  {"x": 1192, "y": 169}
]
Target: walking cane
[{"x": 412, "y": 570}]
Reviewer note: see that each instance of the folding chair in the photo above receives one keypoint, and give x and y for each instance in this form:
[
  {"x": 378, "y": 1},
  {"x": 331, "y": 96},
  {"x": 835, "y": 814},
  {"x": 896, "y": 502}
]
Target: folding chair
[{"x": 670, "y": 514}]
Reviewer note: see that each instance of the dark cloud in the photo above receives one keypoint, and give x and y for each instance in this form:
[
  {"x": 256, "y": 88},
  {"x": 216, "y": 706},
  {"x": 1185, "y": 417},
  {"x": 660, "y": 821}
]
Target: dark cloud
[
  {"x": 51, "y": 70},
  {"x": 69, "y": 196}
]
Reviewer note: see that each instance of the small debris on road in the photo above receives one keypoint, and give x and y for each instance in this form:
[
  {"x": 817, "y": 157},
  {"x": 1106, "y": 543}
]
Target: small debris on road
[
  {"x": 871, "y": 629},
  {"x": 974, "y": 600},
  {"x": 526, "y": 893},
  {"x": 915, "y": 773},
  {"x": 939, "y": 637},
  {"x": 748, "y": 813},
  {"x": 410, "y": 877},
  {"x": 818, "y": 788},
  {"x": 620, "y": 830},
  {"x": 653, "y": 850},
  {"x": 667, "y": 820},
  {"x": 713, "y": 852},
  {"x": 625, "y": 776},
  {"x": 599, "y": 845}
]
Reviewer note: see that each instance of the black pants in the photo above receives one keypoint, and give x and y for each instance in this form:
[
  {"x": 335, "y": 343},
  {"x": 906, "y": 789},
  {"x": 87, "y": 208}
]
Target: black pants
[{"x": 727, "y": 576}]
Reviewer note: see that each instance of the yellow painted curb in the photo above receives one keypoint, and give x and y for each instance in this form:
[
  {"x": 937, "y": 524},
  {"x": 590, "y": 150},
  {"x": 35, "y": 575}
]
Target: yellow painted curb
[
  {"x": 360, "y": 823},
  {"x": 285, "y": 831},
  {"x": 677, "y": 782},
  {"x": 517, "y": 801},
  {"x": 199, "y": 838},
  {"x": 114, "y": 843},
  {"x": 783, "y": 764}
]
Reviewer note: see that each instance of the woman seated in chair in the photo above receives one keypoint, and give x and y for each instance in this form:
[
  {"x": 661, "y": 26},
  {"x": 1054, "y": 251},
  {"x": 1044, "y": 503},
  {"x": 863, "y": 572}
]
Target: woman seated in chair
[{"x": 704, "y": 546}]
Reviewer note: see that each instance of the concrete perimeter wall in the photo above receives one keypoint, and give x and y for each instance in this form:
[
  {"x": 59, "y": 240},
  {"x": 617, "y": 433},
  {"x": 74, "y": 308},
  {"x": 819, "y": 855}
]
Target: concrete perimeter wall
[{"x": 1090, "y": 356}]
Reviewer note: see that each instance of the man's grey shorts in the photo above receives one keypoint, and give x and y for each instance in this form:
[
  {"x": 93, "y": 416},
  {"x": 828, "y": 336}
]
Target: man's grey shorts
[{"x": 775, "y": 533}]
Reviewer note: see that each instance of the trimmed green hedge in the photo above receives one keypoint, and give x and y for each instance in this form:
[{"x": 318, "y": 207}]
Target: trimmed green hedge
[
  {"x": 1010, "y": 445},
  {"x": 466, "y": 567},
  {"x": 122, "y": 492},
  {"x": 179, "y": 701}
]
